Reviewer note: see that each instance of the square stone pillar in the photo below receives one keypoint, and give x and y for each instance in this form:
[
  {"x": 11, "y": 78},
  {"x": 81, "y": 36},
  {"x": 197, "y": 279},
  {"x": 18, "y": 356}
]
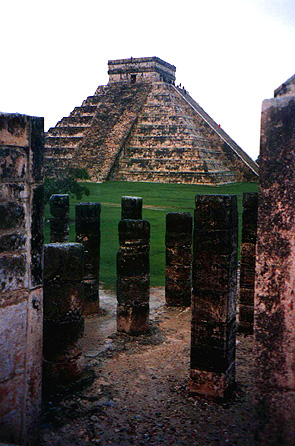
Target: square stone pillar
[
  {"x": 131, "y": 208},
  {"x": 133, "y": 276},
  {"x": 247, "y": 263},
  {"x": 59, "y": 222},
  {"x": 88, "y": 233},
  {"x": 178, "y": 272},
  {"x": 21, "y": 262},
  {"x": 63, "y": 314},
  {"x": 214, "y": 296},
  {"x": 274, "y": 322}
]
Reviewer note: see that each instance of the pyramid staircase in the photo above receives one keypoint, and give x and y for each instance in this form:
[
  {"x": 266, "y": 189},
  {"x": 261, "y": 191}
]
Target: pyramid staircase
[{"x": 165, "y": 145}]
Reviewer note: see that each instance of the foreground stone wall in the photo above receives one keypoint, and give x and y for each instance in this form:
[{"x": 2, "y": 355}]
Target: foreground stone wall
[
  {"x": 21, "y": 294},
  {"x": 274, "y": 325}
]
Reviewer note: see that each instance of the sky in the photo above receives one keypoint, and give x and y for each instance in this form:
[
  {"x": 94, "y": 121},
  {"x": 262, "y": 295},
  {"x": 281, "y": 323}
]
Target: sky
[{"x": 230, "y": 55}]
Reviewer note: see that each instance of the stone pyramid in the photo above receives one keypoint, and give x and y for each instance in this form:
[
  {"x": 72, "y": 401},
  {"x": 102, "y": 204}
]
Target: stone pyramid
[{"x": 141, "y": 127}]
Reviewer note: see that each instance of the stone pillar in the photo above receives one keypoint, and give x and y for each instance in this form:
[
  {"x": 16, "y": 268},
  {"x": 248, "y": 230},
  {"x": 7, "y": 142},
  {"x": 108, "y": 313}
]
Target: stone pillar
[
  {"x": 131, "y": 208},
  {"x": 133, "y": 276},
  {"x": 248, "y": 257},
  {"x": 178, "y": 281},
  {"x": 214, "y": 296},
  {"x": 274, "y": 322},
  {"x": 59, "y": 222},
  {"x": 88, "y": 233},
  {"x": 63, "y": 314},
  {"x": 21, "y": 293}
]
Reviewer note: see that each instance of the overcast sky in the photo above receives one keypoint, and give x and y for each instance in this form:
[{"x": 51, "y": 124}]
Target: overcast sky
[{"x": 229, "y": 54}]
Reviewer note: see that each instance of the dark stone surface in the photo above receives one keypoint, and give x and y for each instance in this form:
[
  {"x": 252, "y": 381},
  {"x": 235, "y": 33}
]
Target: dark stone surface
[
  {"x": 87, "y": 219},
  {"x": 131, "y": 208},
  {"x": 59, "y": 205},
  {"x": 37, "y": 236},
  {"x": 63, "y": 262},
  {"x": 216, "y": 212},
  {"x": 274, "y": 288},
  {"x": 214, "y": 294},
  {"x": 133, "y": 276},
  {"x": 12, "y": 215},
  {"x": 37, "y": 147}
]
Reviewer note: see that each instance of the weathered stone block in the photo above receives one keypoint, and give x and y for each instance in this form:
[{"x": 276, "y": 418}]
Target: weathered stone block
[
  {"x": 134, "y": 232},
  {"x": 133, "y": 290},
  {"x": 64, "y": 262},
  {"x": 59, "y": 205},
  {"x": 88, "y": 219},
  {"x": 62, "y": 340},
  {"x": 179, "y": 255},
  {"x": 133, "y": 319},
  {"x": 179, "y": 272},
  {"x": 13, "y": 164},
  {"x": 274, "y": 328},
  {"x": 63, "y": 301},
  {"x": 216, "y": 212},
  {"x": 131, "y": 208},
  {"x": 12, "y": 215},
  {"x": 213, "y": 271},
  {"x": 12, "y": 343},
  {"x": 211, "y": 384},
  {"x": 12, "y": 242},
  {"x": 37, "y": 236},
  {"x": 220, "y": 242},
  {"x": 214, "y": 305},
  {"x": 13, "y": 272},
  {"x": 133, "y": 264},
  {"x": 179, "y": 222},
  {"x": 14, "y": 130},
  {"x": 178, "y": 292}
]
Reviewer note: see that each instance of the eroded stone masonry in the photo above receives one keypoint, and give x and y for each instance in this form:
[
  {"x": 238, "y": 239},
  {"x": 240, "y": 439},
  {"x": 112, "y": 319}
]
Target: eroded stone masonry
[
  {"x": 21, "y": 292},
  {"x": 274, "y": 324},
  {"x": 141, "y": 127}
]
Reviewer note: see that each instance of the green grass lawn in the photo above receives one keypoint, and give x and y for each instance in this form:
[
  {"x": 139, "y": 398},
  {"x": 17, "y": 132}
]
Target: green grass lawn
[{"x": 158, "y": 199}]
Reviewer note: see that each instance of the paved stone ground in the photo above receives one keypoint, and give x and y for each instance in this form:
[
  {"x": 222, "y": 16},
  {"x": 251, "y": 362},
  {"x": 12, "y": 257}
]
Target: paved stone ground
[{"x": 139, "y": 395}]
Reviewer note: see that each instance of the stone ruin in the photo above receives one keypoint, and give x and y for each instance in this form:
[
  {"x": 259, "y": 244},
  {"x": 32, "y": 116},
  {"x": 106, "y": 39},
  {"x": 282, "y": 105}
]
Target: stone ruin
[
  {"x": 214, "y": 286},
  {"x": 141, "y": 127}
]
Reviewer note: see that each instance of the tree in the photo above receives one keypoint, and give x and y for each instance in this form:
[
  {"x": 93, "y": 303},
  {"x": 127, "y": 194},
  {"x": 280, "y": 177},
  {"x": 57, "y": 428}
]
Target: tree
[{"x": 67, "y": 184}]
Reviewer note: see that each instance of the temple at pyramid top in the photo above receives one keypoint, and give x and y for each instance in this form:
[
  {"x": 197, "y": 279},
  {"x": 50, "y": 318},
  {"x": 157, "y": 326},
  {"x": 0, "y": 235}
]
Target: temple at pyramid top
[
  {"x": 141, "y": 127},
  {"x": 143, "y": 69}
]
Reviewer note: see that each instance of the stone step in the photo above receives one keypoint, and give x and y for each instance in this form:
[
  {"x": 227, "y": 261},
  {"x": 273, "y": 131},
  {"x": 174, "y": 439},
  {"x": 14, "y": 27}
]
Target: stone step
[
  {"x": 63, "y": 141},
  {"x": 65, "y": 130},
  {"x": 84, "y": 110},
  {"x": 75, "y": 121}
]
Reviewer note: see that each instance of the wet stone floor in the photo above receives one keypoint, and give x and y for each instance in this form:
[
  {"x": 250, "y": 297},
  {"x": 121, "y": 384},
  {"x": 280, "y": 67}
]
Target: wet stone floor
[{"x": 135, "y": 389}]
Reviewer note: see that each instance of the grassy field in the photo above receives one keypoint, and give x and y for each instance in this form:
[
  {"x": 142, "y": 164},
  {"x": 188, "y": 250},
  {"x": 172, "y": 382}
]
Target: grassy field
[{"x": 158, "y": 199}]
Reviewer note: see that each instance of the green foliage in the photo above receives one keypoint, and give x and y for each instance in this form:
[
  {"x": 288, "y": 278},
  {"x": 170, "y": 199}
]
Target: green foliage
[
  {"x": 68, "y": 184},
  {"x": 158, "y": 199}
]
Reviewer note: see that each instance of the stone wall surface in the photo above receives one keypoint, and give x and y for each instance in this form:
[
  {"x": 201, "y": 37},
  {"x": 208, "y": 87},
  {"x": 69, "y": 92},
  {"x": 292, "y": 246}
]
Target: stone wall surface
[
  {"x": 21, "y": 263},
  {"x": 214, "y": 296},
  {"x": 274, "y": 324},
  {"x": 146, "y": 130}
]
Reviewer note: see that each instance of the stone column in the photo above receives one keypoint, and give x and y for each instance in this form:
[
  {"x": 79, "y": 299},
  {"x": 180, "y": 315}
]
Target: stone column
[
  {"x": 248, "y": 257},
  {"x": 274, "y": 322},
  {"x": 21, "y": 293},
  {"x": 178, "y": 281},
  {"x": 131, "y": 208},
  {"x": 133, "y": 276},
  {"x": 88, "y": 233},
  {"x": 214, "y": 296},
  {"x": 59, "y": 222},
  {"x": 63, "y": 314}
]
